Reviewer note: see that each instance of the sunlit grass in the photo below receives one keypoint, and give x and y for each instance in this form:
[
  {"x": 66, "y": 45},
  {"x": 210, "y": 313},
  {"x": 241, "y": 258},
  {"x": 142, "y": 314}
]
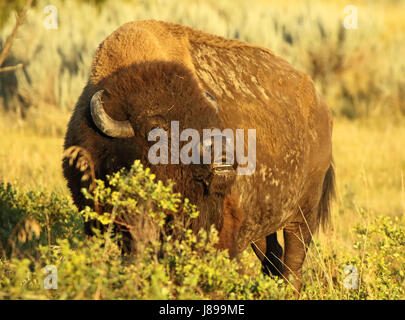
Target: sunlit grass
[{"x": 31, "y": 151}]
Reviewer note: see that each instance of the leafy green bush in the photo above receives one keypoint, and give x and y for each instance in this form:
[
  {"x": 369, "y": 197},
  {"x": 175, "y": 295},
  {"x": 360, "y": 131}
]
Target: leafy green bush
[
  {"x": 378, "y": 261},
  {"x": 35, "y": 218},
  {"x": 170, "y": 261},
  {"x": 382, "y": 245}
]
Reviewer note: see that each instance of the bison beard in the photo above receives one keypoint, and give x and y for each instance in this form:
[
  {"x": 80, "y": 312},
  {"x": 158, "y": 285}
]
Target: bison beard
[{"x": 149, "y": 73}]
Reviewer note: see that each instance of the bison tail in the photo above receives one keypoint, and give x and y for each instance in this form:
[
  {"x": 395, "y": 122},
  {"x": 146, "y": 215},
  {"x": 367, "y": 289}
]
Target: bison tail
[{"x": 328, "y": 194}]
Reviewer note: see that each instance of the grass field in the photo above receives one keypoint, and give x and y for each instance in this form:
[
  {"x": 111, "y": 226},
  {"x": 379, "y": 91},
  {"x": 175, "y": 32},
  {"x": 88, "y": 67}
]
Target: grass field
[{"x": 360, "y": 73}]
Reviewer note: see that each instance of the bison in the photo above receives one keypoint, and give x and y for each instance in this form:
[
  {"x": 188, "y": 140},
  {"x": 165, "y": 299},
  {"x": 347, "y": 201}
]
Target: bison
[{"x": 147, "y": 74}]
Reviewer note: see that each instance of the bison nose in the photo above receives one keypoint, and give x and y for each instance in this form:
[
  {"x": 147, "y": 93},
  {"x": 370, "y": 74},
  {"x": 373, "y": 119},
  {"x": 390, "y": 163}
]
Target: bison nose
[{"x": 218, "y": 151}]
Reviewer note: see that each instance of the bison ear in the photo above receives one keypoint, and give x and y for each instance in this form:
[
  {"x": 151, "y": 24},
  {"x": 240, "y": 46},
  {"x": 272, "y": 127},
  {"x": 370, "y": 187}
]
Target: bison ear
[{"x": 212, "y": 99}]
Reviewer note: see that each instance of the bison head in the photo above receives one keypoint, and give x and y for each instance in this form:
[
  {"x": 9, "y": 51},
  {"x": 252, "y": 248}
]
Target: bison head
[{"x": 136, "y": 101}]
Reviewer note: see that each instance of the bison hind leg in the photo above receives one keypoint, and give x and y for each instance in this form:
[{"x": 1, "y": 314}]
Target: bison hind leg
[{"x": 270, "y": 253}]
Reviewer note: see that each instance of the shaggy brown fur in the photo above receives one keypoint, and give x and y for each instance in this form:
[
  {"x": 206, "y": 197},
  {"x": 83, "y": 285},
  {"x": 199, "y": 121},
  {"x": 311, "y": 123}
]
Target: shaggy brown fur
[
  {"x": 233, "y": 217},
  {"x": 154, "y": 72}
]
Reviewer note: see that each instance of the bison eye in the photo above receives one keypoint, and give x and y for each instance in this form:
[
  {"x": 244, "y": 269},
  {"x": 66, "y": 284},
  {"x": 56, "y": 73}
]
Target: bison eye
[
  {"x": 212, "y": 99},
  {"x": 210, "y": 96}
]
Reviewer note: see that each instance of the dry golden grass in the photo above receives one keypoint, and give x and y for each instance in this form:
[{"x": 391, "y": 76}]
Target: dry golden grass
[{"x": 31, "y": 150}]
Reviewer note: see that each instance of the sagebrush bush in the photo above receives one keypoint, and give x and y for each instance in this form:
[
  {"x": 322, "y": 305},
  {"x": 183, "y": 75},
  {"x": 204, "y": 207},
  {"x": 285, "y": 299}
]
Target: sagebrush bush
[
  {"x": 33, "y": 218},
  {"x": 170, "y": 261},
  {"x": 359, "y": 72},
  {"x": 376, "y": 264},
  {"x": 176, "y": 264},
  {"x": 382, "y": 247}
]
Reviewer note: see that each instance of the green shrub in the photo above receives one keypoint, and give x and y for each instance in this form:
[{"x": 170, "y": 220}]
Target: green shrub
[
  {"x": 382, "y": 245},
  {"x": 177, "y": 264},
  {"x": 378, "y": 260},
  {"x": 169, "y": 261},
  {"x": 35, "y": 218}
]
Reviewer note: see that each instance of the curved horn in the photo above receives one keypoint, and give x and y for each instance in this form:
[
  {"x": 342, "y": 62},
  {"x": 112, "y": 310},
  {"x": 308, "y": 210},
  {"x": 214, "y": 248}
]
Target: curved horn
[{"x": 109, "y": 126}]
